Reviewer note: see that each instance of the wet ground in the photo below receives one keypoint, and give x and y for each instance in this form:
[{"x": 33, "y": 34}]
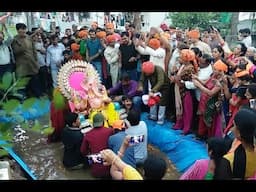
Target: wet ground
[{"x": 45, "y": 159}]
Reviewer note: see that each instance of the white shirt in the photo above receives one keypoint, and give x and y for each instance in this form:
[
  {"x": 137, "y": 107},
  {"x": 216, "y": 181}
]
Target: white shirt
[
  {"x": 156, "y": 56},
  {"x": 111, "y": 55},
  {"x": 140, "y": 150},
  {"x": 5, "y": 57},
  {"x": 247, "y": 41},
  {"x": 40, "y": 57},
  {"x": 54, "y": 55}
]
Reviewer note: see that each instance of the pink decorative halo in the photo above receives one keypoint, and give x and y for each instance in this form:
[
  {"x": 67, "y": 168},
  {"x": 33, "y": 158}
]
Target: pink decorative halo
[
  {"x": 75, "y": 80},
  {"x": 72, "y": 75}
]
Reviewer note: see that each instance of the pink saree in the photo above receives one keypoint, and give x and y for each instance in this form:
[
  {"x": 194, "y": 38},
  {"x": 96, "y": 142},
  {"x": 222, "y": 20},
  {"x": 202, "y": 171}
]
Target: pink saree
[{"x": 197, "y": 171}]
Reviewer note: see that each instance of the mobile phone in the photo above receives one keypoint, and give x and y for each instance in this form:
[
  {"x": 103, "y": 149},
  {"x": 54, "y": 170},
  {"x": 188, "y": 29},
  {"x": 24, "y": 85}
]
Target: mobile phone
[
  {"x": 95, "y": 158},
  {"x": 252, "y": 103},
  {"x": 136, "y": 139},
  {"x": 137, "y": 35}
]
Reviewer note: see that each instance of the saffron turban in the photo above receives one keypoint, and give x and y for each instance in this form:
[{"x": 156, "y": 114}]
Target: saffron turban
[
  {"x": 154, "y": 43},
  {"x": 219, "y": 65},
  {"x": 148, "y": 67}
]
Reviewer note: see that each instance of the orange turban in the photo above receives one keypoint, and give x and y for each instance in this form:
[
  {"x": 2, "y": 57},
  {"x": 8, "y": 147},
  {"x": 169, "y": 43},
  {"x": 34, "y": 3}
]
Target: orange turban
[
  {"x": 110, "y": 25},
  {"x": 219, "y": 65},
  {"x": 148, "y": 67},
  {"x": 187, "y": 55},
  {"x": 118, "y": 124},
  {"x": 75, "y": 47},
  {"x": 82, "y": 34},
  {"x": 193, "y": 34},
  {"x": 154, "y": 43},
  {"x": 111, "y": 38},
  {"x": 101, "y": 34},
  {"x": 241, "y": 73}
]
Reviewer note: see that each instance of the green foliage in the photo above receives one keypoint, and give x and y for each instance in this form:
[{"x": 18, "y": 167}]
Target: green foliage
[
  {"x": 36, "y": 127},
  {"x": 7, "y": 137},
  {"x": 5, "y": 126},
  {"x": 47, "y": 131},
  {"x": 3, "y": 153},
  {"x": 59, "y": 100},
  {"x": 10, "y": 105},
  {"x": 202, "y": 20},
  {"x": 9, "y": 86},
  {"x": 6, "y": 81},
  {"x": 24, "y": 124},
  {"x": 21, "y": 83},
  {"x": 9, "y": 102},
  {"x": 28, "y": 103}
]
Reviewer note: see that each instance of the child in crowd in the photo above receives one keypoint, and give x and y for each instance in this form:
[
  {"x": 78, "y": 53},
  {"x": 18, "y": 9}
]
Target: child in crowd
[{"x": 72, "y": 139}]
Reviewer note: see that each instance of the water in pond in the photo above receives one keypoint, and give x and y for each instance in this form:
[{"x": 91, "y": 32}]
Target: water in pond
[{"x": 45, "y": 159}]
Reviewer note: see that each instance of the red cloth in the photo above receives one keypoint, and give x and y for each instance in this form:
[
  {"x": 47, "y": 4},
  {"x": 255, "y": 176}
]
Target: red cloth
[
  {"x": 58, "y": 123},
  {"x": 153, "y": 101}
]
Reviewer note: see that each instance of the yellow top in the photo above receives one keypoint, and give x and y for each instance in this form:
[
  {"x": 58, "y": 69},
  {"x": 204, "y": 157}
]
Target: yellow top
[
  {"x": 250, "y": 162},
  {"x": 130, "y": 173},
  {"x": 109, "y": 112}
]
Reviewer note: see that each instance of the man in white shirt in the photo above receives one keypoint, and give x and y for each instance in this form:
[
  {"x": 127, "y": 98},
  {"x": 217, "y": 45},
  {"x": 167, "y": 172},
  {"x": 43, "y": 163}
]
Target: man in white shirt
[
  {"x": 6, "y": 64},
  {"x": 245, "y": 37},
  {"x": 157, "y": 53}
]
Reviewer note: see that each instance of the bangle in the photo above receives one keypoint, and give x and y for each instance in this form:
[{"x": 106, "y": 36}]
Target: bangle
[
  {"x": 115, "y": 158},
  {"x": 120, "y": 154},
  {"x": 208, "y": 176}
]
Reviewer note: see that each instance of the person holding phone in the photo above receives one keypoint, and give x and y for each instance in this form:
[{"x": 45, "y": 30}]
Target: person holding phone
[
  {"x": 138, "y": 127},
  {"x": 251, "y": 95},
  {"x": 94, "y": 141}
]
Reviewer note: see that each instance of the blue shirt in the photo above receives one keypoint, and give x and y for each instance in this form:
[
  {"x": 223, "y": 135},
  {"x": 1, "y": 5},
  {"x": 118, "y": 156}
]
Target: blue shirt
[
  {"x": 94, "y": 46},
  {"x": 115, "y": 141}
]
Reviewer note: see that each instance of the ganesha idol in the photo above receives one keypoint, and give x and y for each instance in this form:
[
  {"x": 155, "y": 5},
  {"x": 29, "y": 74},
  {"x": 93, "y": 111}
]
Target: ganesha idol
[{"x": 79, "y": 82}]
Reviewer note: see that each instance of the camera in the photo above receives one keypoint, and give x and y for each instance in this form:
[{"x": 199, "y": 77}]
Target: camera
[
  {"x": 95, "y": 158},
  {"x": 136, "y": 139}
]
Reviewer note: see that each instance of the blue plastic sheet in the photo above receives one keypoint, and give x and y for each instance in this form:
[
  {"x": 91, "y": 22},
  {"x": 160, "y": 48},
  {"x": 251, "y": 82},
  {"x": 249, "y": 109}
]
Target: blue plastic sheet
[
  {"x": 182, "y": 150},
  {"x": 37, "y": 110}
]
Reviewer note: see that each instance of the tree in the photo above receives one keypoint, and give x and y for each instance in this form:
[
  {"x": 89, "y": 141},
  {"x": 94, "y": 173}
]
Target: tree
[
  {"x": 137, "y": 21},
  {"x": 134, "y": 18},
  {"x": 202, "y": 20},
  {"x": 233, "y": 27}
]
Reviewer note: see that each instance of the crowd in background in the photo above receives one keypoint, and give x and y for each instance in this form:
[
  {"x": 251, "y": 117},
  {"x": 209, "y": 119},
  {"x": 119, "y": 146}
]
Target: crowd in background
[{"x": 190, "y": 77}]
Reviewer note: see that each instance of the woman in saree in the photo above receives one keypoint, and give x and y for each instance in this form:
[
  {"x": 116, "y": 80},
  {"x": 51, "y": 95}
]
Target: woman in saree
[
  {"x": 184, "y": 96},
  {"x": 209, "y": 107}
]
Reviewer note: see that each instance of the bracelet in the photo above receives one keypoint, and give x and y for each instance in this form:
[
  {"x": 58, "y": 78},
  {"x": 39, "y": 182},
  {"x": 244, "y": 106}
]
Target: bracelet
[
  {"x": 208, "y": 176},
  {"x": 116, "y": 157},
  {"x": 120, "y": 154}
]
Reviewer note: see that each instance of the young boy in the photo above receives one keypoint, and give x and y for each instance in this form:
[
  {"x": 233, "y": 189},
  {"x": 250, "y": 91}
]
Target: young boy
[{"x": 72, "y": 138}]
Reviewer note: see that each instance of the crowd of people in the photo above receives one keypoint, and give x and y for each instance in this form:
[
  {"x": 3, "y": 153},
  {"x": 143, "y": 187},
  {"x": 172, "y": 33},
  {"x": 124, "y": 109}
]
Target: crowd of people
[{"x": 190, "y": 77}]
